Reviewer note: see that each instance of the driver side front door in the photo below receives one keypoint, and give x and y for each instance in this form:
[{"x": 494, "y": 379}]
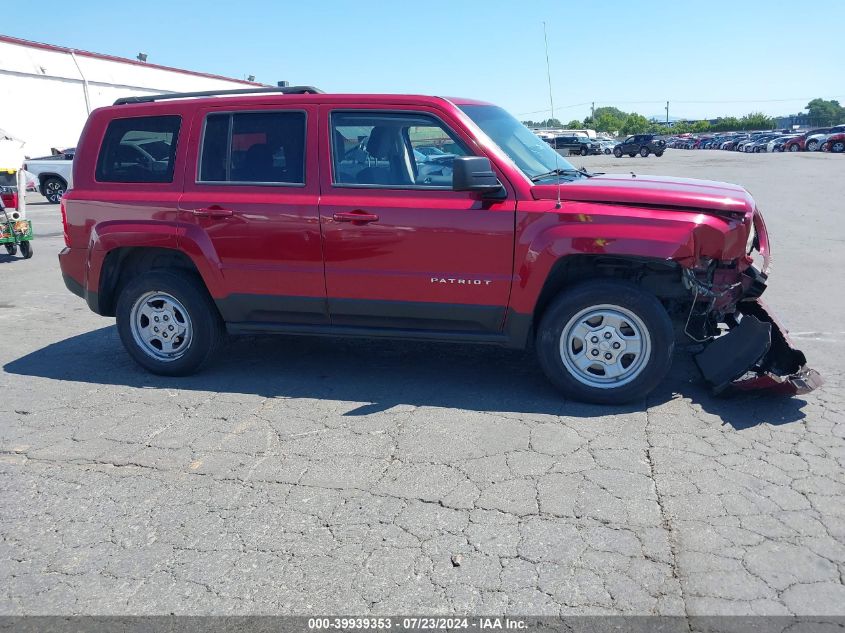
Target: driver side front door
[{"x": 401, "y": 249}]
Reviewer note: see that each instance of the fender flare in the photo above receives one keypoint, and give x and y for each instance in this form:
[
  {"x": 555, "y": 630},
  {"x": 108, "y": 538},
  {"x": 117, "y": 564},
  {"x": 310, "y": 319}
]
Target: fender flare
[
  {"x": 44, "y": 175},
  {"x": 676, "y": 241},
  {"x": 187, "y": 239}
]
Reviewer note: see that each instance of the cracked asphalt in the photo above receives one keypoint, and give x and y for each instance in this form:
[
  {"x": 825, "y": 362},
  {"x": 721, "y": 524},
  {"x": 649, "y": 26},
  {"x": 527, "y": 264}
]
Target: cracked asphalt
[{"x": 305, "y": 475}]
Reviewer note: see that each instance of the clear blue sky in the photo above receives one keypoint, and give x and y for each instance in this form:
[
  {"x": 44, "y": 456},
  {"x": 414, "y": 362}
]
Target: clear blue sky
[{"x": 707, "y": 58}]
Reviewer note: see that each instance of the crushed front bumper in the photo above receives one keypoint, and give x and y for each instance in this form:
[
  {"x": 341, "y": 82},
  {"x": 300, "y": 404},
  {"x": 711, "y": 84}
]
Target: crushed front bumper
[{"x": 756, "y": 354}]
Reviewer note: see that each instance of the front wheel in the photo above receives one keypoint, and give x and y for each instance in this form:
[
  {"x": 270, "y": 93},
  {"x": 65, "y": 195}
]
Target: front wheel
[
  {"x": 617, "y": 152},
  {"x": 794, "y": 147},
  {"x": 168, "y": 323},
  {"x": 584, "y": 151},
  {"x": 605, "y": 341},
  {"x": 644, "y": 152},
  {"x": 11, "y": 249},
  {"x": 838, "y": 147},
  {"x": 26, "y": 250},
  {"x": 812, "y": 146}
]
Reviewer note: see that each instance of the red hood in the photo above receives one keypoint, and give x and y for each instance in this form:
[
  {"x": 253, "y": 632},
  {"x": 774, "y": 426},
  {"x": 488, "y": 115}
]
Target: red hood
[{"x": 663, "y": 191}]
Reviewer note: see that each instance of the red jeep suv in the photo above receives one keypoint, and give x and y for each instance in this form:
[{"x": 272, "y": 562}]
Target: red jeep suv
[{"x": 294, "y": 211}]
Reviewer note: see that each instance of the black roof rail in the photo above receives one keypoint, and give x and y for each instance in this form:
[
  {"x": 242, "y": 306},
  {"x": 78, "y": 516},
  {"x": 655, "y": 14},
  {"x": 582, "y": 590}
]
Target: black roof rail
[{"x": 288, "y": 90}]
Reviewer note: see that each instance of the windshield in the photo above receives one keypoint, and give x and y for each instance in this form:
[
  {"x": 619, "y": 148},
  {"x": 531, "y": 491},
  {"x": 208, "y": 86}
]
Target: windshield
[{"x": 529, "y": 152}]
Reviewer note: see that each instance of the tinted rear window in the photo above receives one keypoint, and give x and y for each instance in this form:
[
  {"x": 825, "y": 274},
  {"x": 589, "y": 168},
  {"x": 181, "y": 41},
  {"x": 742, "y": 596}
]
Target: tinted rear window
[
  {"x": 254, "y": 147},
  {"x": 140, "y": 149}
]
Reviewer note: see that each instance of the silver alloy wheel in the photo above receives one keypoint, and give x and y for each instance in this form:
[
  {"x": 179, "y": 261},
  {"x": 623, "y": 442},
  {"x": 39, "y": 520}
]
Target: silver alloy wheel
[
  {"x": 161, "y": 326},
  {"x": 812, "y": 146},
  {"x": 605, "y": 346},
  {"x": 54, "y": 190},
  {"x": 838, "y": 147}
]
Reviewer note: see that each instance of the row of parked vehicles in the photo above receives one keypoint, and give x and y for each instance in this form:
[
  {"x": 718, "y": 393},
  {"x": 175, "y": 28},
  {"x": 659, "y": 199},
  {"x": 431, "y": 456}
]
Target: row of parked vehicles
[
  {"x": 830, "y": 139},
  {"x": 636, "y": 144}
]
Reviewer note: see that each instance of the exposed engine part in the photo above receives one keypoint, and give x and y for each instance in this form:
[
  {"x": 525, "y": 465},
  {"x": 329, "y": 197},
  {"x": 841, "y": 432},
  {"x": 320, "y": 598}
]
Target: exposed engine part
[{"x": 705, "y": 289}]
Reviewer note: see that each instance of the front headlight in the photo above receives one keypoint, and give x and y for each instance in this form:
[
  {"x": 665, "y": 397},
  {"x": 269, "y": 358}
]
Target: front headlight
[{"x": 752, "y": 236}]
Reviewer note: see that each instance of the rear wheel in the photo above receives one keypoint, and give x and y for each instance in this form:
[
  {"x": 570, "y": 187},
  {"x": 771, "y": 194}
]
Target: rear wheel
[
  {"x": 644, "y": 152},
  {"x": 605, "y": 341},
  {"x": 583, "y": 151},
  {"x": 11, "y": 249},
  {"x": 838, "y": 147},
  {"x": 53, "y": 189},
  {"x": 168, "y": 323},
  {"x": 26, "y": 250},
  {"x": 617, "y": 152},
  {"x": 812, "y": 146},
  {"x": 794, "y": 147}
]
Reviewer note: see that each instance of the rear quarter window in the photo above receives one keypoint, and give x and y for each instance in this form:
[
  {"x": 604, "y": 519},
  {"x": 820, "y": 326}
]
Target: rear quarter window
[{"x": 139, "y": 149}]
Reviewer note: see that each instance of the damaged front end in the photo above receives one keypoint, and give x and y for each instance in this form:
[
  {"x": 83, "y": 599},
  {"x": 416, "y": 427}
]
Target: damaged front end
[
  {"x": 746, "y": 348},
  {"x": 755, "y": 354}
]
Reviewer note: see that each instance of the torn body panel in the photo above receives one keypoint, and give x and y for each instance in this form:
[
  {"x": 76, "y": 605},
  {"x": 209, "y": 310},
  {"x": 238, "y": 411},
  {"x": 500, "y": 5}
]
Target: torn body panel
[{"x": 756, "y": 354}]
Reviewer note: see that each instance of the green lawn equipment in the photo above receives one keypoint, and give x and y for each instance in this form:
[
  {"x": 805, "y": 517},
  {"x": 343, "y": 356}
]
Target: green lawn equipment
[{"x": 15, "y": 232}]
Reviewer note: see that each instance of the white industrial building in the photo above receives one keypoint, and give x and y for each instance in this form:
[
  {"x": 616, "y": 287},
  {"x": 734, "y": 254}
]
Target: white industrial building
[{"x": 47, "y": 91}]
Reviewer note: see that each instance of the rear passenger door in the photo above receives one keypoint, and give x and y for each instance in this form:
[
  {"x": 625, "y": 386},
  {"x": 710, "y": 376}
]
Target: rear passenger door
[{"x": 251, "y": 192}]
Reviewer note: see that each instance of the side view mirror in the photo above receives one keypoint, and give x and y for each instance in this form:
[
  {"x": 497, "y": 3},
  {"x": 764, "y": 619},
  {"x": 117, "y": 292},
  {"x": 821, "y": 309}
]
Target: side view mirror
[{"x": 474, "y": 173}]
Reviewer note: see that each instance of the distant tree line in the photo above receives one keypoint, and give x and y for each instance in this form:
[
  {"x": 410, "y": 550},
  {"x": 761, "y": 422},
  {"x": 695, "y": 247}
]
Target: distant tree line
[{"x": 613, "y": 120}]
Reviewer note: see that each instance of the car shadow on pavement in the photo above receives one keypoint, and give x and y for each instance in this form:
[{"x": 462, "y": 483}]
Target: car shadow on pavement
[{"x": 380, "y": 374}]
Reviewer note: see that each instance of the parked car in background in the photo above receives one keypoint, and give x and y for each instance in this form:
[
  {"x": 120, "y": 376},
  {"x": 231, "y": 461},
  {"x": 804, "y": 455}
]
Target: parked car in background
[
  {"x": 834, "y": 143},
  {"x": 740, "y": 147},
  {"x": 814, "y": 142},
  {"x": 54, "y": 173},
  {"x": 607, "y": 145},
  {"x": 642, "y": 144},
  {"x": 778, "y": 143},
  {"x": 731, "y": 143},
  {"x": 580, "y": 145},
  {"x": 429, "y": 151},
  {"x": 797, "y": 144},
  {"x": 817, "y": 141},
  {"x": 759, "y": 145}
]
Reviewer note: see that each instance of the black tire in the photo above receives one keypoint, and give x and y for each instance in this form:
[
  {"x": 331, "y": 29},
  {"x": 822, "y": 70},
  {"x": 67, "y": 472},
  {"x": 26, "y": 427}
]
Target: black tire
[
  {"x": 584, "y": 151},
  {"x": 644, "y": 152},
  {"x": 53, "y": 189},
  {"x": 658, "y": 154},
  {"x": 617, "y": 152},
  {"x": 794, "y": 148},
  {"x": 208, "y": 329},
  {"x": 26, "y": 250},
  {"x": 11, "y": 249},
  {"x": 837, "y": 147},
  {"x": 612, "y": 292},
  {"x": 607, "y": 150},
  {"x": 812, "y": 146}
]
